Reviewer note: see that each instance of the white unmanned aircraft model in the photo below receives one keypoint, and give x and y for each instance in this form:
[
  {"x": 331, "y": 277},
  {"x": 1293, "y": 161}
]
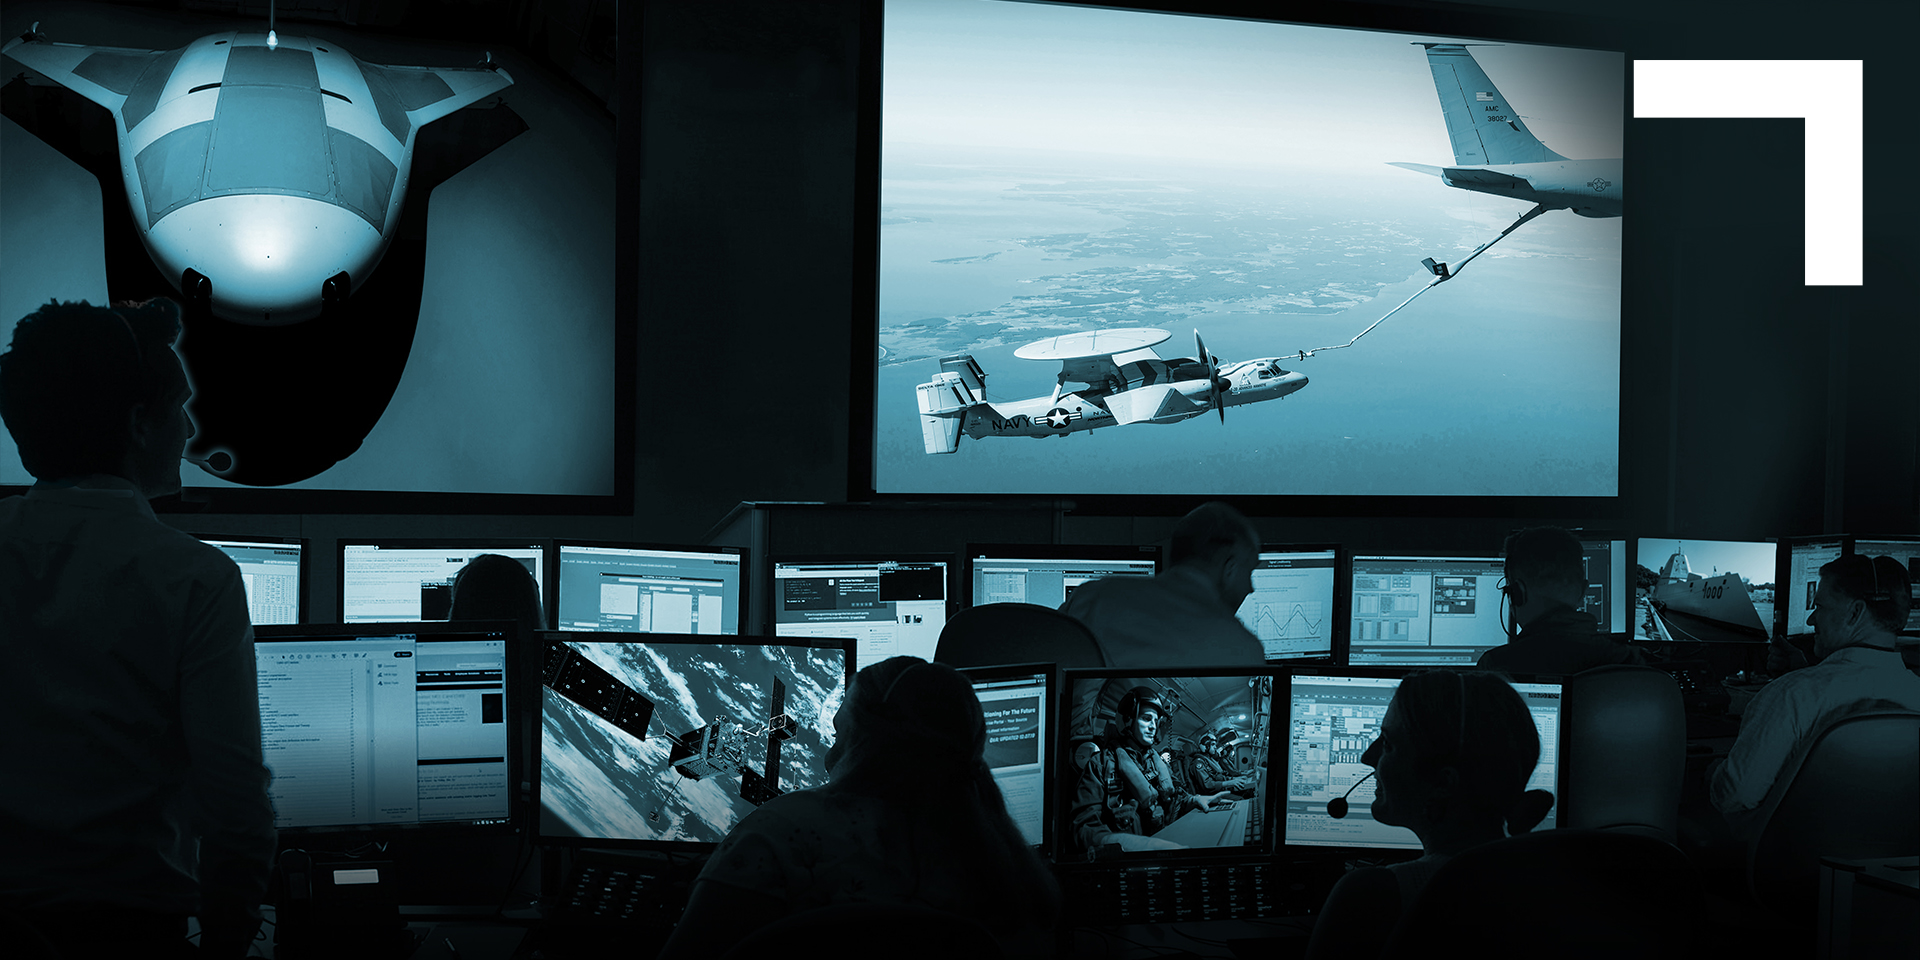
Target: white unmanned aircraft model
[
  {"x": 265, "y": 173},
  {"x": 1494, "y": 153},
  {"x": 1126, "y": 382}
]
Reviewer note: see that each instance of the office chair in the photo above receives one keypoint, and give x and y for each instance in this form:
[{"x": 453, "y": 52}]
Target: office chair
[
  {"x": 870, "y": 931},
  {"x": 999, "y": 633},
  {"x": 1624, "y": 738},
  {"x": 1851, "y": 795},
  {"x": 1566, "y": 893}
]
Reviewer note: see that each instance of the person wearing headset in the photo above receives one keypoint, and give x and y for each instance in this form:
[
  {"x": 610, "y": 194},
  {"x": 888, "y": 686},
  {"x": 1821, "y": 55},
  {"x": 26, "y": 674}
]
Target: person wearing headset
[
  {"x": 1126, "y": 791},
  {"x": 1546, "y": 584},
  {"x": 1858, "y": 609}
]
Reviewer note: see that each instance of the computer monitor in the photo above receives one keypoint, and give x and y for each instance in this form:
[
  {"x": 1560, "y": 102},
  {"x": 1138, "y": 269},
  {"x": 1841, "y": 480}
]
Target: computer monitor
[
  {"x": 1907, "y": 551},
  {"x": 393, "y": 580},
  {"x": 1425, "y": 611},
  {"x": 1291, "y": 608},
  {"x": 1800, "y": 561},
  {"x": 1706, "y": 590},
  {"x": 665, "y": 741},
  {"x": 1334, "y": 715},
  {"x": 1046, "y": 574},
  {"x": 274, "y": 570},
  {"x": 650, "y": 588},
  {"x": 1233, "y": 703},
  {"x": 1019, "y": 703},
  {"x": 1607, "y": 583},
  {"x": 892, "y": 608},
  {"x": 391, "y": 726}
]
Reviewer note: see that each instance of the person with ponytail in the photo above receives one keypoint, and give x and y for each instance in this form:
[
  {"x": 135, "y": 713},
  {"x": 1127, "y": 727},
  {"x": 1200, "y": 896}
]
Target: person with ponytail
[
  {"x": 910, "y": 814},
  {"x": 1451, "y": 763}
]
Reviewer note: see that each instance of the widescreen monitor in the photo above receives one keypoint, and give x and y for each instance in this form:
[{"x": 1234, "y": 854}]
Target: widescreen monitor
[
  {"x": 1105, "y": 228},
  {"x": 391, "y": 726},
  {"x": 634, "y": 588},
  {"x": 1907, "y": 551},
  {"x": 1018, "y": 702},
  {"x": 1291, "y": 608},
  {"x": 274, "y": 570},
  {"x": 1425, "y": 611},
  {"x": 1333, "y": 716},
  {"x": 1708, "y": 591},
  {"x": 1047, "y": 574},
  {"x": 891, "y": 608},
  {"x": 1800, "y": 561},
  {"x": 1105, "y": 753},
  {"x": 666, "y": 741},
  {"x": 413, "y": 579}
]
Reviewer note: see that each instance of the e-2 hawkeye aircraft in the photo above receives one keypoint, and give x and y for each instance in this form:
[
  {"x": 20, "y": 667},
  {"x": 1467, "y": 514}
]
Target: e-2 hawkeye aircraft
[{"x": 1126, "y": 382}]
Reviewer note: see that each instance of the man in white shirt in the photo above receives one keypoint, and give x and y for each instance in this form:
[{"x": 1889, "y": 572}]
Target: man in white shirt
[
  {"x": 1185, "y": 615},
  {"x": 137, "y": 794},
  {"x": 1858, "y": 609}
]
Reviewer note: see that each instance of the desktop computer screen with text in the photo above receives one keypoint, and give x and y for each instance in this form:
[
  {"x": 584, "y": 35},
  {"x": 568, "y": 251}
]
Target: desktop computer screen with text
[
  {"x": 892, "y": 608},
  {"x": 649, "y": 590},
  {"x": 1018, "y": 718},
  {"x": 380, "y": 583},
  {"x": 1047, "y": 582},
  {"x": 271, "y": 572},
  {"x": 1425, "y": 611}
]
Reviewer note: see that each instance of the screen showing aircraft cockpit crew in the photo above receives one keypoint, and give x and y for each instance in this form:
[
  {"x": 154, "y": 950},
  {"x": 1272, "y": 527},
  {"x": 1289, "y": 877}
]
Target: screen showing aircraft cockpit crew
[
  {"x": 1200, "y": 255},
  {"x": 1173, "y": 763},
  {"x": 671, "y": 739}
]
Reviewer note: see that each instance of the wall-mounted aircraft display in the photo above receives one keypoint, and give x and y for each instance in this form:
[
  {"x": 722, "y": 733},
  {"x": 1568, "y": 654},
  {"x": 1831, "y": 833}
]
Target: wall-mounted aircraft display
[
  {"x": 264, "y": 173},
  {"x": 1125, "y": 383}
]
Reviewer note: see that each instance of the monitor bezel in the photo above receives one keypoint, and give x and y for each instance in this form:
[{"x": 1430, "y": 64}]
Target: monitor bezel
[
  {"x": 306, "y": 561},
  {"x": 1471, "y": 23},
  {"x": 1053, "y": 551},
  {"x": 743, "y": 606},
  {"x": 1345, "y": 852},
  {"x": 1340, "y": 611},
  {"x": 1276, "y": 759},
  {"x": 517, "y": 821},
  {"x": 543, "y": 637},
  {"x": 1049, "y": 762},
  {"x": 425, "y": 543}
]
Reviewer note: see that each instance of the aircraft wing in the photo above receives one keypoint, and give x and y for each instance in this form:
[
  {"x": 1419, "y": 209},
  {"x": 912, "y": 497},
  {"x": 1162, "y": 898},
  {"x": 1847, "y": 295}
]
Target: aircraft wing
[
  {"x": 105, "y": 75},
  {"x": 429, "y": 93},
  {"x": 1155, "y": 403},
  {"x": 1473, "y": 175}
]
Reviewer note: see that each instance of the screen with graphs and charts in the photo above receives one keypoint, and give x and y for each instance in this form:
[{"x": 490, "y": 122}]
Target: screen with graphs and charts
[
  {"x": 1425, "y": 611},
  {"x": 1291, "y": 606},
  {"x": 1333, "y": 719}
]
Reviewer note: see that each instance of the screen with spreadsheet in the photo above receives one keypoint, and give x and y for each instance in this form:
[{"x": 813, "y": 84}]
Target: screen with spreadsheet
[
  {"x": 1333, "y": 718},
  {"x": 271, "y": 571},
  {"x": 385, "y": 729},
  {"x": 414, "y": 581},
  {"x": 1291, "y": 606},
  {"x": 1425, "y": 611},
  {"x": 892, "y": 608}
]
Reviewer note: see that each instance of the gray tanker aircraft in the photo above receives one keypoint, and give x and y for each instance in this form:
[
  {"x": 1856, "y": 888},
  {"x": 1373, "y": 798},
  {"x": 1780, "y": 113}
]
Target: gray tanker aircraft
[
  {"x": 1494, "y": 153},
  {"x": 1126, "y": 383}
]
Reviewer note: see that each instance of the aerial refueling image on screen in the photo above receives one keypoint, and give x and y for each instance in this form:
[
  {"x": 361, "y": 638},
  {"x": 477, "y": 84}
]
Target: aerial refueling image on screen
[
  {"x": 678, "y": 741},
  {"x": 1144, "y": 253}
]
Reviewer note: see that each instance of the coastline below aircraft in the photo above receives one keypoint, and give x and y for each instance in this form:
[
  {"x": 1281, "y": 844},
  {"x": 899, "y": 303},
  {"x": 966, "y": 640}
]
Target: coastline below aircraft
[
  {"x": 265, "y": 174},
  {"x": 1494, "y": 153},
  {"x": 1125, "y": 383}
]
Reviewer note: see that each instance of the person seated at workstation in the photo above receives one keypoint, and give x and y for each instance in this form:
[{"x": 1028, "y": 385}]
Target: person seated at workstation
[
  {"x": 492, "y": 586},
  {"x": 1211, "y": 768},
  {"x": 1546, "y": 587},
  {"x": 911, "y": 814},
  {"x": 1859, "y": 607},
  {"x": 1451, "y": 763},
  {"x": 1184, "y": 616},
  {"x": 137, "y": 794},
  {"x": 1126, "y": 792}
]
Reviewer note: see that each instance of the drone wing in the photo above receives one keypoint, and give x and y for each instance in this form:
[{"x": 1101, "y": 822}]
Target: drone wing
[
  {"x": 125, "y": 80},
  {"x": 409, "y": 98}
]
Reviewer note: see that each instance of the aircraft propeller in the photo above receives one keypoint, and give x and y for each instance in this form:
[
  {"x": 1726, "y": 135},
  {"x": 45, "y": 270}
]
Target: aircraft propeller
[{"x": 1213, "y": 376}]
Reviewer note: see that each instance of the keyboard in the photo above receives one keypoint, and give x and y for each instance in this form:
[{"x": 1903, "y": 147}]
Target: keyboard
[
  {"x": 614, "y": 889},
  {"x": 1171, "y": 894}
]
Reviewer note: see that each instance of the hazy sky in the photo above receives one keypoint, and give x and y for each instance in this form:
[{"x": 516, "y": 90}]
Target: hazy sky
[{"x": 989, "y": 73}]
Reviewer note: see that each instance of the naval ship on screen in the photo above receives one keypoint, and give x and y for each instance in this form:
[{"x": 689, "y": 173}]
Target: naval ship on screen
[{"x": 1723, "y": 597}]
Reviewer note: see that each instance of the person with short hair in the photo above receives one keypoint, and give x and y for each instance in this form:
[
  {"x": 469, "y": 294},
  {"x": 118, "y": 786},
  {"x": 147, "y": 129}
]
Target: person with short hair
[
  {"x": 1451, "y": 763},
  {"x": 1184, "y": 616},
  {"x": 494, "y": 586},
  {"x": 127, "y": 684},
  {"x": 911, "y": 814},
  {"x": 1546, "y": 586},
  {"x": 1859, "y": 607},
  {"x": 1211, "y": 771},
  {"x": 1126, "y": 791}
]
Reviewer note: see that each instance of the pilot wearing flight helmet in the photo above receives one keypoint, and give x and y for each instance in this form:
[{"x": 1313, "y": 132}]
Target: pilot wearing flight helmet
[
  {"x": 1211, "y": 769},
  {"x": 1126, "y": 790}
]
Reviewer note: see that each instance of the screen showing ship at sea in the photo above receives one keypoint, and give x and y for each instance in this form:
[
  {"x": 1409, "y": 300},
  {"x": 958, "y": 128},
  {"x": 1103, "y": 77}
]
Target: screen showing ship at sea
[{"x": 1704, "y": 590}]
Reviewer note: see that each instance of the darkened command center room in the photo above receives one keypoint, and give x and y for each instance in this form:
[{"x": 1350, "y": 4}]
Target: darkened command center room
[{"x": 957, "y": 478}]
